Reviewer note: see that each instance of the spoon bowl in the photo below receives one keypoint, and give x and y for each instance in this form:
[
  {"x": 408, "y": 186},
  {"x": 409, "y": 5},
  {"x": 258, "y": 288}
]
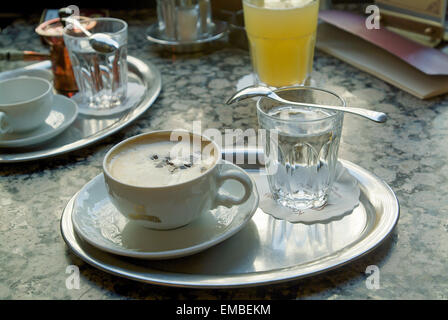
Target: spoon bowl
[
  {"x": 262, "y": 91},
  {"x": 103, "y": 43}
]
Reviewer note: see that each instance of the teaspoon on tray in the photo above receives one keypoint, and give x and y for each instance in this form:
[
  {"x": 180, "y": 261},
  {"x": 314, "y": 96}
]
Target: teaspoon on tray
[{"x": 257, "y": 91}]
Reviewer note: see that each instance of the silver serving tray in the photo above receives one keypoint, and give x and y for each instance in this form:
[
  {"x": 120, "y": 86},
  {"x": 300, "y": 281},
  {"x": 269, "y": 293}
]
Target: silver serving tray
[
  {"x": 267, "y": 250},
  {"x": 87, "y": 130}
]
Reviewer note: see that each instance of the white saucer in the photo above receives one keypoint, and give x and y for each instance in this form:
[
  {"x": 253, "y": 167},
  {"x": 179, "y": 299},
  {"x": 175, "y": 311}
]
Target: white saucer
[
  {"x": 97, "y": 221},
  {"x": 62, "y": 115}
]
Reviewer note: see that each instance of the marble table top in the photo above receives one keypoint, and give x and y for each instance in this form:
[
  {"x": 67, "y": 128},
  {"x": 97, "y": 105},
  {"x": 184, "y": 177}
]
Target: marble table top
[{"x": 408, "y": 152}]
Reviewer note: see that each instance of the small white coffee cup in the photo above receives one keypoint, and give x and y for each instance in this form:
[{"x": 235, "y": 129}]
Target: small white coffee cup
[
  {"x": 25, "y": 103},
  {"x": 175, "y": 205}
]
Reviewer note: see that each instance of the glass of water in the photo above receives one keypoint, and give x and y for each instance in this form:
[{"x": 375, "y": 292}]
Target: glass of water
[
  {"x": 101, "y": 77},
  {"x": 301, "y": 146}
]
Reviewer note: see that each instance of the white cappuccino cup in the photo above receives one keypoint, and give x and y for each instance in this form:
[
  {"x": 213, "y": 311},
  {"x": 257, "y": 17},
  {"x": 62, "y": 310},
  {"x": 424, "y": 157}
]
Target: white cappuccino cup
[{"x": 166, "y": 179}]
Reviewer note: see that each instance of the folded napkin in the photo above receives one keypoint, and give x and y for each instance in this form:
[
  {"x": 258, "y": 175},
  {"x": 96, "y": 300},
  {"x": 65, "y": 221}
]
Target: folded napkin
[
  {"x": 419, "y": 70},
  {"x": 425, "y": 59}
]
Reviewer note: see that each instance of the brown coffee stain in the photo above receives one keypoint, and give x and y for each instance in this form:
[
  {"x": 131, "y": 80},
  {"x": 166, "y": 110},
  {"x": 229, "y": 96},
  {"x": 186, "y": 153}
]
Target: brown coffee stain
[{"x": 140, "y": 215}]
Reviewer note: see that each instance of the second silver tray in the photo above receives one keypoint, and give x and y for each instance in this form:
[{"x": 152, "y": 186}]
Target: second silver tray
[
  {"x": 87, "y": 130},
  {"x": 267, "y": 250}
]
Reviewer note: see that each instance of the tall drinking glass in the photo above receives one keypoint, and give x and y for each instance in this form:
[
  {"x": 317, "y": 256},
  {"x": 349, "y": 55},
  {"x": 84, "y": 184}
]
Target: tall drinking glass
[
  {"x": 101, "y": 77},
  {"x": 282, "y": 35},
  {"x": 301, "y": 146}
]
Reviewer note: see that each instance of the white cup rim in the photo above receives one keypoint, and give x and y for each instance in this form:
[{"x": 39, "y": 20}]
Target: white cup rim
[
  {"x": 136, "y": 137},
  {"x": 49, "y": 88}
]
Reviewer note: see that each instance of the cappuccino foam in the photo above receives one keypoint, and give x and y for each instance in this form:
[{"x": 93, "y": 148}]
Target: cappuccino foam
[{"x": 159, "y": 163}]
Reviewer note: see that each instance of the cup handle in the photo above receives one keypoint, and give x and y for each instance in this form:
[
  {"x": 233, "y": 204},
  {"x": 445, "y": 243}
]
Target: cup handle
[
  {"x": 4, "y": 124},
  {"x": 227, "y": 200}
]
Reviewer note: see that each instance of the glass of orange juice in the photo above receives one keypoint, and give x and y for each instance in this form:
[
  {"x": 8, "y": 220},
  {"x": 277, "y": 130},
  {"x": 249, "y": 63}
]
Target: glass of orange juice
[{"x": 282, "y": 34}]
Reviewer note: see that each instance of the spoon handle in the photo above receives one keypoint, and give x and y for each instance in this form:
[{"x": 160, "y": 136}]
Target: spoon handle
[
  {"x": 78, "y": 25},
  {"x": 369, "y": 114}
]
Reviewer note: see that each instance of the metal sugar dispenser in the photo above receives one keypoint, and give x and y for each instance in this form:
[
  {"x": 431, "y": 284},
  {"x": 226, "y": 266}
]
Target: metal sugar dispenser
[{"x": 184, "y": 20}]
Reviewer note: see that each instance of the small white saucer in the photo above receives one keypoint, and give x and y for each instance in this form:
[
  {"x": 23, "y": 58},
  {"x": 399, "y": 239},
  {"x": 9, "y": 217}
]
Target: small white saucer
[
  {"x": 97, "y": 221},
  {"x": 62, "y": 115}
]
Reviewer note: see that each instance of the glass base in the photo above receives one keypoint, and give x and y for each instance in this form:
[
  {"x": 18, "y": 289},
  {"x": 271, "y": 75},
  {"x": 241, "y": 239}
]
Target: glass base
[
  {"x": 257, "y": 81},
  {"x": 301, "y": 203},
  {"x": 131, "y": 97},
  {"x": 309, "y": 81}
]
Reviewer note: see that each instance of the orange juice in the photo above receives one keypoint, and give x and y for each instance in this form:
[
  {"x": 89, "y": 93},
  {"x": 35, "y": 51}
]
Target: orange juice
[{"x": 281, "y": 34}]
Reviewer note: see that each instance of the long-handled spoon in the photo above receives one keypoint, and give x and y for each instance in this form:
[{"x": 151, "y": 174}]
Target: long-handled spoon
[{"x": 250, "y": 92}]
